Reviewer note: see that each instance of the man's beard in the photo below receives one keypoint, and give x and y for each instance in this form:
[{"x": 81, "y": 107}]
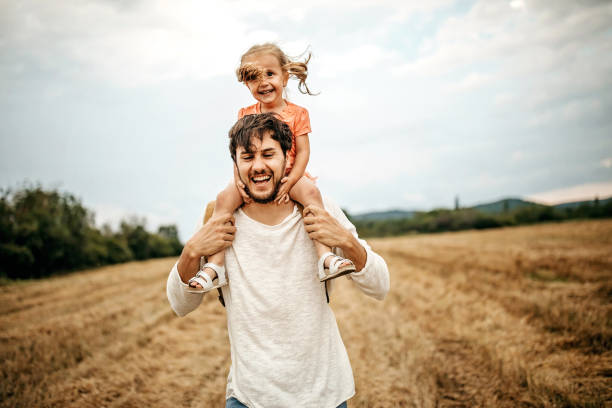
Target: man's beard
[
  {"x": 264, "y": 200},
  {"x": 272, "y": 195}
]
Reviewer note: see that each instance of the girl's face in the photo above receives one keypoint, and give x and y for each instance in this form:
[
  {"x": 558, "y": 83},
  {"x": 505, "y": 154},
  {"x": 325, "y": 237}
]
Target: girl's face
[{"x": 269, "y": 89}]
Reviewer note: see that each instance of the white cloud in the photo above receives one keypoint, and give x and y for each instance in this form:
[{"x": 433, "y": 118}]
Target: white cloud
[
  {"x": 517, "y": 4},
  {"x": 471, "y": 82},
  {"x": 111, "y": 214},
  {"x": 414, "y": 198},
  {"x": 553, "y": 52},
  {"x": 376, "y": 163},
  {"x": 517, "y": 156},
  {"x": 362, "y": 57},
  {"x": 580, "y": 192},
  {"x": 143, "y": 43}
]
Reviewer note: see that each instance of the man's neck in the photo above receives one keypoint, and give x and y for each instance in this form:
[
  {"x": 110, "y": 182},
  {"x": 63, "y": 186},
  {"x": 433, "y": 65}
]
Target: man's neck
[{"x": 270, "y": 213}]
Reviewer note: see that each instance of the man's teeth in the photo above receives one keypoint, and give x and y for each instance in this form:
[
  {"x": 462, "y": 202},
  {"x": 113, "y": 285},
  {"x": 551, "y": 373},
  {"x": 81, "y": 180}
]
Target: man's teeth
[
  {"x": 266, "y": 92},
  {"x": 261, "y": 178}
]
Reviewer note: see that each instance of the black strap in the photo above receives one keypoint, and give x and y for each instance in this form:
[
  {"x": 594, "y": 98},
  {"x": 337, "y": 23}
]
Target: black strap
[
  {"x": 221, "y": 297},
  {"x": 326, "y": 292}
]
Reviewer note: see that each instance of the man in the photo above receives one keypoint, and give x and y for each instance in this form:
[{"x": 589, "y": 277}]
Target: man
[{"x": 286, "y": 349}]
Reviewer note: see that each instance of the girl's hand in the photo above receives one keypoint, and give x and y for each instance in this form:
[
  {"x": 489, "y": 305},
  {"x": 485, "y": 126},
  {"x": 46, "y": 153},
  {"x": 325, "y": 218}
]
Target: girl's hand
[
  {"x": 282, "y": 197},
  {"x": 240, "y": 186}
]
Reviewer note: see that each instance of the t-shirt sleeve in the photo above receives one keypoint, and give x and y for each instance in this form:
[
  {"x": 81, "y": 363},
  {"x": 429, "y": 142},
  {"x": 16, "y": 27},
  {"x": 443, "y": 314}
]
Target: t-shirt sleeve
[
  {"x": 373, "y": 279},
  {"x": 302, "y": 123}
]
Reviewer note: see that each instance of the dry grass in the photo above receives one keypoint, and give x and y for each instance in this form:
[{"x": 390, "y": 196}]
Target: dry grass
[{"x": 508, "y": 317}]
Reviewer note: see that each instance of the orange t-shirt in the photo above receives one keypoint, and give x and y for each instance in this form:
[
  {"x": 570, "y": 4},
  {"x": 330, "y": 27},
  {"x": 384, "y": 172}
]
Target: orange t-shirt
[{"x": 295, "y": 116}]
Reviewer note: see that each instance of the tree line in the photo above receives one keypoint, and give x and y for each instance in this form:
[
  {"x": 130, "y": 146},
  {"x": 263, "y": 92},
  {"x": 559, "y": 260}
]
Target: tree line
[
  {"x": 43, "y": 232},
  {"x": 467, "y": 218}
]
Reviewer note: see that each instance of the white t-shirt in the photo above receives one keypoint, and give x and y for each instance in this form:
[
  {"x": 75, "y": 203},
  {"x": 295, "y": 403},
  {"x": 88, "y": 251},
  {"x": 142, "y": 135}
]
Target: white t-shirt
[{"x": 286, "y": 349}]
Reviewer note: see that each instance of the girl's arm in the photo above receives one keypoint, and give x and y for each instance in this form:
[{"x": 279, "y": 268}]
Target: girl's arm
[{"x": 302, "y": 155}]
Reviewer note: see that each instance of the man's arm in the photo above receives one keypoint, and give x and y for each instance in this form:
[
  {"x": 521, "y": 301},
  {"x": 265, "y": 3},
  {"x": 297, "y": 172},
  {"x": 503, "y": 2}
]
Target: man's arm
[
  {"x": 216, "y": 235},
  {"x": 335, "y": 230}
]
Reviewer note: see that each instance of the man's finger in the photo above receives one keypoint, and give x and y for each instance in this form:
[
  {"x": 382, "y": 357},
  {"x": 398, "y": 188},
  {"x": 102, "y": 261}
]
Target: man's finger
[
  {"x": 229, "y": 229},
  {"x": 314, "y": 235},
  {"x": 312, "y": 209},
  {"x": 227, "y": 218}
]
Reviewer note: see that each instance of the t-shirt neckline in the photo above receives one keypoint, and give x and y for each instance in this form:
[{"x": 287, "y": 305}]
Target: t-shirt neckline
[{"x": 271, "y": 227}]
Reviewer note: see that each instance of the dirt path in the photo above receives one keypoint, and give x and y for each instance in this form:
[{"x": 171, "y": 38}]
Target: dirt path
[{"x": 504, "y": 318}]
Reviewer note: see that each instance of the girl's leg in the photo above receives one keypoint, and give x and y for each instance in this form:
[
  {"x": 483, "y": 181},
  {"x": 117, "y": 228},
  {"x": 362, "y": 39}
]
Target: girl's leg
[
  {"x": 227, "y": 202},
  {"x": 306, "y": 193}
]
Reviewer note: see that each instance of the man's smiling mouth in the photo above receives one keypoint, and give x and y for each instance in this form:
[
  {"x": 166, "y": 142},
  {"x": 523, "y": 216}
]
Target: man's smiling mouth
[{"x": 261, "y": 179}]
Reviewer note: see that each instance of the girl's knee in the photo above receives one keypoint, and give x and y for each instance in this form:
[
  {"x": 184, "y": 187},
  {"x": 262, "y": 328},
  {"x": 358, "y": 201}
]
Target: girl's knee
[
  {"x": 312, "y": 191},
  {"x": 306, "y": 193}
]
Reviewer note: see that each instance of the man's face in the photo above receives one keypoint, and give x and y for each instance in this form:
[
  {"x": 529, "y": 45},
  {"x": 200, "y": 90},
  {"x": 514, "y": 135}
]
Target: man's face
[{"x": 261, "y": 168}]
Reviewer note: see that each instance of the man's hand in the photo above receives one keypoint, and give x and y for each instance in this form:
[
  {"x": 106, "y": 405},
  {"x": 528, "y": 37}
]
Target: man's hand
[
  {"x": 214, "y": 236},
  {"x": 324, "y": 228},
  {"x": 282, "y": 196}
]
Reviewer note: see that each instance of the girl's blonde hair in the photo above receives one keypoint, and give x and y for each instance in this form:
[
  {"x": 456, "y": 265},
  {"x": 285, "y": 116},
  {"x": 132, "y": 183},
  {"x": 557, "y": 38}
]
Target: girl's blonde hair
[{"x": 296, "y": 69}]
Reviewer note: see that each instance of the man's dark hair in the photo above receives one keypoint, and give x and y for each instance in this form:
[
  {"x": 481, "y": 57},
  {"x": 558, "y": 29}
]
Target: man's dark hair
[{"x": 258, "y": 125}]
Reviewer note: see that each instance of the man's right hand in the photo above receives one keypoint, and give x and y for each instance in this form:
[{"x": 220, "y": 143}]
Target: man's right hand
[{"x": 214, "y": 236}]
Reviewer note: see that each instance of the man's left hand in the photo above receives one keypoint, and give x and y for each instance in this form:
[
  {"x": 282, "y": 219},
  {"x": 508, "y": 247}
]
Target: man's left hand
[{"x": 324, "y": 228}]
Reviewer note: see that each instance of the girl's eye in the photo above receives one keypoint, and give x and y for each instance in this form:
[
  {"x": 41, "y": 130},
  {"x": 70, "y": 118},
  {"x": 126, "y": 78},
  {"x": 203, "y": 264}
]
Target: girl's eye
[{"x": 269, "y": 73}]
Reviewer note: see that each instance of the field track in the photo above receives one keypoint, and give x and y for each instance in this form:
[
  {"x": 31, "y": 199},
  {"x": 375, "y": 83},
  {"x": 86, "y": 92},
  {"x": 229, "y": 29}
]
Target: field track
[{"x": 513, "y": 317}]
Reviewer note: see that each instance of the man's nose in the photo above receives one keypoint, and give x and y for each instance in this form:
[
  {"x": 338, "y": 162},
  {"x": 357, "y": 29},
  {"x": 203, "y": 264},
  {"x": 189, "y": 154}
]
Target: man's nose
[{"x": 258, "y": 162}]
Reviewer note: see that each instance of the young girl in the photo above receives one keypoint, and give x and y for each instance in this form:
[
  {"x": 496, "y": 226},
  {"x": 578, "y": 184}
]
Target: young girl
[{"x": 265, "y": 70}]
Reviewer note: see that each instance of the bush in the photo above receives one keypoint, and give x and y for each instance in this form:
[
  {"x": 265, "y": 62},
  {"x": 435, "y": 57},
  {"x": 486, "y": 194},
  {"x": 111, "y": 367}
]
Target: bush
[{"x": 44, "y": 232}]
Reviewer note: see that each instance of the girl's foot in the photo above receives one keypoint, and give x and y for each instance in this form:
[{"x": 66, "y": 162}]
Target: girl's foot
[
  {"x": 330, "y": 258},
  {"x": 210, "y": 277},
  {"x": 332, "y": 266},
  {"x": 210, "y": 272}
]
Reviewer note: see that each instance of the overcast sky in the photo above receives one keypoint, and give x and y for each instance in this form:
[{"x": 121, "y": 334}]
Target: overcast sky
[{"x": 127, "y": 104}]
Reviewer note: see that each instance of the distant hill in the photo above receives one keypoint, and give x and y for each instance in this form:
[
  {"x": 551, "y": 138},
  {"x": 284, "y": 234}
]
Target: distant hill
[
  {"x": 383, "y": 215},
  {"x": 504, "y": 205},
  {"x": 575, "y": 204},
  {"x": 495, "y": 207}
]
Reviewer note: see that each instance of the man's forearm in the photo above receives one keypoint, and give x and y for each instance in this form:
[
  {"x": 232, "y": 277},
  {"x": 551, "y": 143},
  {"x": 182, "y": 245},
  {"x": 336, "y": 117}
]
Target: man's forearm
[
  {"x": 354, "y": 251},
  {"x": 188, "y": 264}
]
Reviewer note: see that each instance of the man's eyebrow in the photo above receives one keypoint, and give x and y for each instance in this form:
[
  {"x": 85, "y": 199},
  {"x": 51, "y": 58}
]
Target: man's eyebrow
[{"x": 268, "y": 150}]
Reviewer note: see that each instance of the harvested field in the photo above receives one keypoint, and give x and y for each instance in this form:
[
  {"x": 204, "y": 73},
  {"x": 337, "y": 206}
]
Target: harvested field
[{"x": 499, "y": 318}]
